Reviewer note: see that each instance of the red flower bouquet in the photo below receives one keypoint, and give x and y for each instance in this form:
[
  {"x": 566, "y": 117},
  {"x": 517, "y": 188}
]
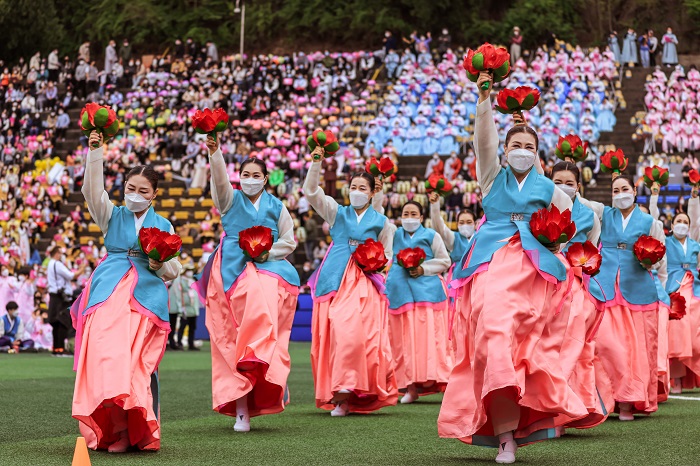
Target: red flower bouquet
[
  {"x": 438, "y": 183},
  {"x": 210, "y": 122},
  {"x": 255, "y": 241},
  {"x": 614, "y": 161},
  {"x": 694, "y": 177},
  {"x": 382, "y": 168},
  {"x": 518, "y": 100},
  {"x": 552, "y": 226},
  {"x": 586, "y": 256},
  {"x": 159, "y": 245},
  {"x": 495, "y": 60},
  {"x": 325, "y": 139},
  {"x": 370, "y": 256},
  {"x": 677, "y": 311},
  {"x": 410, "y": 258},
  {"x": 655, "y": 174},
  {"x": 571, "y": 146},
  {"x": 100, "y": 118},
  {"x": 649, "y": 250}
]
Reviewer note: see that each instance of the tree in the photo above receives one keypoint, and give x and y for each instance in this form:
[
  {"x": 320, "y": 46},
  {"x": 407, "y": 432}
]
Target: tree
[{"x": 28, "y": 26}]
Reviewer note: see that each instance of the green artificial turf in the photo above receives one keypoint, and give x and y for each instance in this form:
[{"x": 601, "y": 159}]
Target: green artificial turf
[{"x": 37, "y": 429}]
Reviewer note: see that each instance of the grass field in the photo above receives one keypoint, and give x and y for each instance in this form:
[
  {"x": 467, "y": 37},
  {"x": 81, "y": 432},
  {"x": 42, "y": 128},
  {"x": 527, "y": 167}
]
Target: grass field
[{"x": 37, "y": 429}]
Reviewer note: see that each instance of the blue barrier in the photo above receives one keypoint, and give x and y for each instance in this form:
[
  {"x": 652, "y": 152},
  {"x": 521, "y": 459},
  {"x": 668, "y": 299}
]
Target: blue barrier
[{"x": 301, "y": 328}]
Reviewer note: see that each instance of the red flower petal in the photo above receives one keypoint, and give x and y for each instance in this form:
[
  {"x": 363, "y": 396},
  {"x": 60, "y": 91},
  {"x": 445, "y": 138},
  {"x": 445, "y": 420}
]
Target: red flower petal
[
  {"x": 370, "y": 256},
  {"x": 255, "y": 241}
]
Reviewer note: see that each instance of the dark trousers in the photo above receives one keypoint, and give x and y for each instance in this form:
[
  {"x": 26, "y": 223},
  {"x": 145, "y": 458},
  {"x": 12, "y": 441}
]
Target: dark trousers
[
  {"x": 652, "y": 59},
  {"x": 173, "y": 328},
  {"x": 309, "y": 250},
  {"x": 191, "y": 323},
  {"x": 58, "y": 314},
  {"x": 23, "y": 344}
]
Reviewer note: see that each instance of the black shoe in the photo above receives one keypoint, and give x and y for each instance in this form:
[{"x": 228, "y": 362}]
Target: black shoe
[{"x": 194, "y": 348}]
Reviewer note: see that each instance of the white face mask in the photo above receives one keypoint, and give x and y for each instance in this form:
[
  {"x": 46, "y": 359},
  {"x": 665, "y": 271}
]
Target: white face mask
[
  {"x": 136, "y": 202},
  {"x": 358, "y": 199},
  {"x": 251, "y": 186},
  {"x": 568, "y": 190},
  {"x": 623, "y": 201},
  {"x": 680, "y": 230},
  {"x": 5, "y": 273},
  {"x": 189, "y": 274},
  {"x": 521, "y": 160},
  {"x": 410, "y": 224},
  {"x": 466, "y": 230}
]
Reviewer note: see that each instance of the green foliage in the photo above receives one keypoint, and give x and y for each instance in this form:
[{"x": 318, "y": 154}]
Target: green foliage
[
  {"x": 274, "y": 25},
  {"x": 693, "y": 7},
  {"x": 28, "y": 26}
]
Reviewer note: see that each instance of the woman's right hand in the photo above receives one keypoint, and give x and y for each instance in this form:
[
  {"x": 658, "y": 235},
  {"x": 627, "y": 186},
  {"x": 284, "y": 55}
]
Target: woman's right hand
[
  {"x": 317, "y": 154},
  {"x": 434, "y": 197},
  {"x": 484, "y": 77},
  {"x": 96, "y": 140},
  {"x": 212, "y": 145},
  {"x": 655, "y": 188}
]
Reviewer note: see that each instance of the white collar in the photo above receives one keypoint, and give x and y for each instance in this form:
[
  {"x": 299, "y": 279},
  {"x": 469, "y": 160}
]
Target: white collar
[
  {"x": 138, "y": 221},
  {"x": 522, "y": 183},
  {"x": 359, "y": 216},
  {"x": 626, "y": 221}
]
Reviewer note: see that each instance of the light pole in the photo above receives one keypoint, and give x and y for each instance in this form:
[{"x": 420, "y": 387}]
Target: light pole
[{"x": 241, "y": 9}]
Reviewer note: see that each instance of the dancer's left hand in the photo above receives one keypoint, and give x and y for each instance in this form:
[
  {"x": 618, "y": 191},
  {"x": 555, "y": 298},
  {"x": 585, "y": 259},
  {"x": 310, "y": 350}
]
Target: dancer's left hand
[
  {"x": 154, "y": 264},
  {"x": 417, "y": 272}
]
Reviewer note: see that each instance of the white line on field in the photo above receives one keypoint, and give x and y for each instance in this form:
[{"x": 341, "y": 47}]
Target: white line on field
[{"x": 675, "y": 397}]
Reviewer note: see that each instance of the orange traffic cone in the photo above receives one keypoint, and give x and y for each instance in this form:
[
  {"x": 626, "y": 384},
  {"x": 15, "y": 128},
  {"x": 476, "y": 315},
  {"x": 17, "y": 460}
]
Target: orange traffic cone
[{"x": 80, "y": 456}]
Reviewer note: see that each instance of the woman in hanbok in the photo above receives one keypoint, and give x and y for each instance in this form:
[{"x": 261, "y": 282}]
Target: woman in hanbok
[
  {"x": 629, "y": 48},
  {"x": 350, "y": 350},
  {"x": 682, "y": 249},
  {"x": 418, "y": 320},
  {"x": 580, "y": 318},
  {"x": 121, "y": 318},
  {"x": 414, "y": 141},
  {"x": 606, "y": 117},
  {"x": 509, "y": 286},
  {"x": 627, "y": 341},
  {"x": 670, "y": 52},
  {"x": 250, "y": 304}
]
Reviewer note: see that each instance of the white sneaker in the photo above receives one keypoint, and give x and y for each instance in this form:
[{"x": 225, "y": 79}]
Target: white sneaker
[
  {"x": 340, "y": 410},
  {"x": 242, "y": 423},
  {"x": 506, "y": 452},
  {"x": 408, "y": 399}
]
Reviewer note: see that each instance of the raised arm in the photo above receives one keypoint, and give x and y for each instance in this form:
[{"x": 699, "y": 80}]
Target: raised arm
[
  {"x": 441, "y": 262},
  {"x": 657, "y": 231},
  {"x": 221, "y": 189},
  {"x": 324, "y": 205},
  {"x": 378, "y": 198},
  {"x": 386, "y": 237},
  {"x": 447, "y": 235},
  {"x": 285, "y": 244},
  {"x": 99, "y": 204},
  {"x": 485, "y": 138},
  {"x": 694, "y": 215},
  {"x": 654, "y": 206}
]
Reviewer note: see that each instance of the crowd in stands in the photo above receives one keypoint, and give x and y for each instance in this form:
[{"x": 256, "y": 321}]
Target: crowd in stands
[
  {"x": 671, "y": 122},
  {"x": 400, "y": 101},
  {"x": 429, "y": 106}
]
